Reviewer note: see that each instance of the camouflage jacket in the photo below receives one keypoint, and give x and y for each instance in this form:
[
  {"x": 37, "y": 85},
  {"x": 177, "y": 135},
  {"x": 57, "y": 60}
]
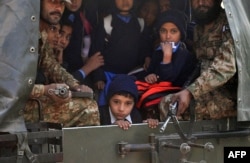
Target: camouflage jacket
[
  {"x": 53, "y": 71},
  {"x": 215, "y": 49}
]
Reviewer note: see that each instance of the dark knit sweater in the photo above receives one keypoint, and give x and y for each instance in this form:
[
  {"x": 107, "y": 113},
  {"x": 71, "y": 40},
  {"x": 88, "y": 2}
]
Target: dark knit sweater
[
  {"x": 178, "y": 71},
  {"x": 124, "y": 50}
]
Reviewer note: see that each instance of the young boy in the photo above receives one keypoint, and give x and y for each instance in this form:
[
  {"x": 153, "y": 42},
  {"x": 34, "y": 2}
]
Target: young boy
[
  {"x": 122, "y": 96},
  {"x": 80, "y": 40},
  {"x": 124, "y": 45}
]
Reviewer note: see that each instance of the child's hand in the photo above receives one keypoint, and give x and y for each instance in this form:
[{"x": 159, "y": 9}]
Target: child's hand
[
  {"x": 152, "y": 123},
  {"x": 167, "y": 52},
  {"x": 123, "y": 124},
  {"x": 151, "y": 78}
]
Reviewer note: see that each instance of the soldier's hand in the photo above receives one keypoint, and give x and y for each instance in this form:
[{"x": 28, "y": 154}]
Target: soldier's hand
[
  {"x": 152, "y": 123},
  {"x": 123, "y": 124},
  {"x": 82, "y": 88},
  {"x": 59, "y": 93},
  {"x": 183, "y": 98},
  {"x": 59, "y": 57}
]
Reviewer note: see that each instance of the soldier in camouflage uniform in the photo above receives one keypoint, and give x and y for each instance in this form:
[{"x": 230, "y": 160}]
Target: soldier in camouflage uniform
[
  {"x": 53, "y": 108},
  {"x": 214, "y": 91}
]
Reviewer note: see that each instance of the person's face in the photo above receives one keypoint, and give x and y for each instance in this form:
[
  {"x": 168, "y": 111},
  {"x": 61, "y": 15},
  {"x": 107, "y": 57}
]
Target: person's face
[
  {"x": 53, "y": 35},
  {"x": 76, "y": 4},
  {"x": 149, "y": 12},
  {"x": 121, "y": 106},
  {"x": 205, "y": 11},
  {"x": 64, "y": 37},
  {"x": 124, "y": 5},
  {"x": 169, "y": 32},
  {"x": 202, "y": 6},
  {"x": 52, "y": 10},
  {"x": 164, "y": 5}
]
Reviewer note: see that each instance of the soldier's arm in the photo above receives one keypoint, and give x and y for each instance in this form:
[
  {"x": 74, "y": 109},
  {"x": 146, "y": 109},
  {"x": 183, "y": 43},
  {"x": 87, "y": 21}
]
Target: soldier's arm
[{"x": 219, "y": 72}]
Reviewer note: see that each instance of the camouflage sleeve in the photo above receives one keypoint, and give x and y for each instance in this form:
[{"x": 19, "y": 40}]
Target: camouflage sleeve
[
  {"x": 222, "y": 68},
  {"x": 53, "y": 70},
  {"x": 37, "y": 91}
]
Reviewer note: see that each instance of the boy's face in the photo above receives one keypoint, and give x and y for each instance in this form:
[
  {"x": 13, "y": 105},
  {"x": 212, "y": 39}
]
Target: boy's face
[
  {"x": 121, "y": 106},
  {"x": 76, "y": 4},
  {"x": 169, "y": 32},
  {"x": 124, "y": 5},
  {"x": 164, "y": 5},
  {"x": 64, "y": 37},
  {"x": 52, "y": 10},
  {"x": 53, "y": 35},
  {"x": 149, "y": 12}
]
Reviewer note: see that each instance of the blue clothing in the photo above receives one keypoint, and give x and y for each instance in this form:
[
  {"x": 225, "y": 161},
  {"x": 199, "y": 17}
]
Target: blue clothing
[
  {"x": 102, "y": 99},
  {"x": 178, "y": 70}
]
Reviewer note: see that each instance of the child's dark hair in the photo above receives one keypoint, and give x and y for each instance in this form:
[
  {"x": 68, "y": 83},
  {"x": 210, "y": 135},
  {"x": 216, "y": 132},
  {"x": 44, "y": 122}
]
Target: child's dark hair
[
  {"x": 123, "y": 84},
  {"x": 66, "y": 22},
  {"x": 125, "y": 94}
]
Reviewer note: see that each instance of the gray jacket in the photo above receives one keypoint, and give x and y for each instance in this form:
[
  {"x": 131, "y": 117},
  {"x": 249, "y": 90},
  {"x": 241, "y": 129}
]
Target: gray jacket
[{"x": 19, "y": 34}]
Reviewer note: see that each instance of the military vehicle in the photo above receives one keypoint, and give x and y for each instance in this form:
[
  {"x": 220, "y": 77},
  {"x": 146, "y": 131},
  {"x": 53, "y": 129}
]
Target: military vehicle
[{"x": 173, "y": 141}]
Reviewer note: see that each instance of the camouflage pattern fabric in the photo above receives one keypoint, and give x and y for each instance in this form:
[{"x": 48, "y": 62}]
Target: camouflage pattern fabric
[
  {"x": 77, "y": 112},
  {"x": 214, "y": 90},
  {"x": 52, "y": 70}
]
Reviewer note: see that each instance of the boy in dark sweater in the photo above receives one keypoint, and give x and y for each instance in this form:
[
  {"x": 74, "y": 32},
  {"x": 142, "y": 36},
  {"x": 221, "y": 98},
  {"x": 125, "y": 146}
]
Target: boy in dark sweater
[
  {"x": 123, "y": 49},
  {"x": 122, "y": 96}
]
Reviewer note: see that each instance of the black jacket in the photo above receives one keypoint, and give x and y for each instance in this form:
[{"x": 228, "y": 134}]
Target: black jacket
[
  {"x": 124, "y": 49},
  {"x": 178, "y": 71}
]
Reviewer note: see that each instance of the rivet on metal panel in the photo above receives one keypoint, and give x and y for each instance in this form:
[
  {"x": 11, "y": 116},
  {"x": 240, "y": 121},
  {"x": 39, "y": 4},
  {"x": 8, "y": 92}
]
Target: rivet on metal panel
[
  {"x": 32, "y": 49},
  {"x": 33, "y": 18},
  {"x": 30, "y": 81}
]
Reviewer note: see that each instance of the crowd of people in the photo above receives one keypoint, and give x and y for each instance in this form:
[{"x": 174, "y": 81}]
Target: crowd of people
[{"x": 95, "y": 54}]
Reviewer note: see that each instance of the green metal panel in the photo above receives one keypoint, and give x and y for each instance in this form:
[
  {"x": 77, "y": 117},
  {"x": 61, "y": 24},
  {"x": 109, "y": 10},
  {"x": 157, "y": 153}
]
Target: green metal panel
[{"x": 100, "y": 144}]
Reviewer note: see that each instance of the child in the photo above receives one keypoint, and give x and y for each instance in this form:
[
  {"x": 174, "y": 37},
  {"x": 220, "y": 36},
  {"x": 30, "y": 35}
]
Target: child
[
  {"x": 171, "y": 61},
  {"x": 80, "y": 40},
  {"x": 149, "y": 11},
  {"x": 63, "y": 40},
  {"x": 124, "y": 45},
  {"x": 122, "y": 96}
]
